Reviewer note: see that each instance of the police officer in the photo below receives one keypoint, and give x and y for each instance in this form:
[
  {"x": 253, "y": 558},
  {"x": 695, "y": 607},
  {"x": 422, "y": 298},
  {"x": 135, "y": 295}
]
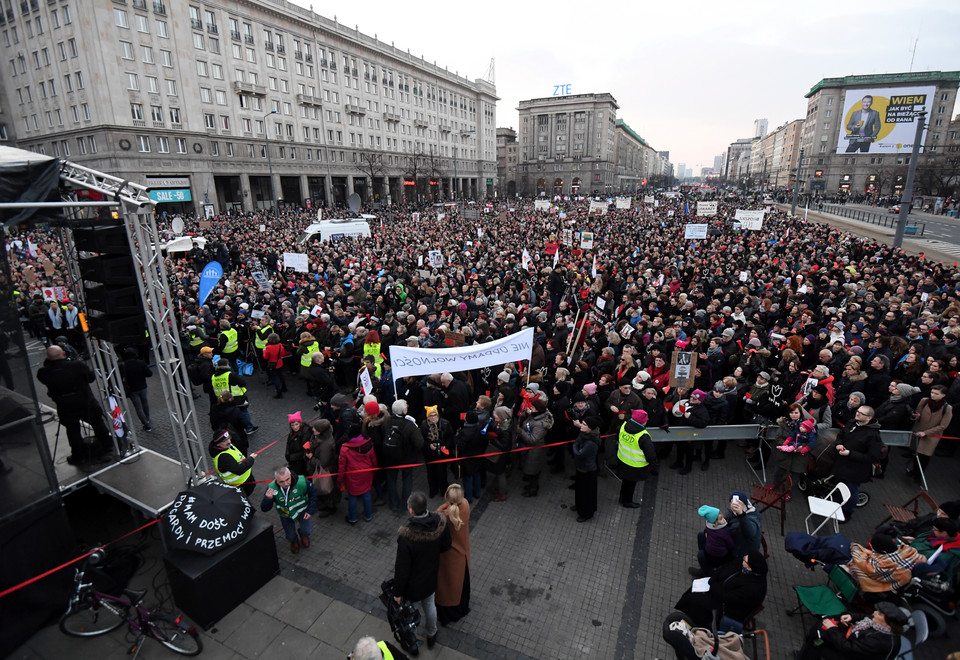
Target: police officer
[
  {"x": 231, "y": 466},
  {"x": 636, "y": 458},
  {"x": 261, "y": 330},
  {"x": 224, "y": 380},
  {"x": 196, "y": 337},
  {"x": 229, "y": 344}
]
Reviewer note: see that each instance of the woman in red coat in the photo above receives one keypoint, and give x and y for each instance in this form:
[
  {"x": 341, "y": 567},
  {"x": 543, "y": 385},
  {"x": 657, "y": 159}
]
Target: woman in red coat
[{"x": 358, "y": 462}]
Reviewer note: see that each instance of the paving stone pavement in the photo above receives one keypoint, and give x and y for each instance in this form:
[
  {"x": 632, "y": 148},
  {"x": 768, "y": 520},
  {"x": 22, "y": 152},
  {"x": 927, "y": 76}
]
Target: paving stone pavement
[{"x": 543, "y": 585}]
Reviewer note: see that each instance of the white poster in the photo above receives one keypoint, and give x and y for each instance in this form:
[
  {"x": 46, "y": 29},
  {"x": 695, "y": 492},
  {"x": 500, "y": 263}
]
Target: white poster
[
  {"x": 882, "y": 120},
  {"x": 600, "y": 207},
  {"x": 366, "y": 382},
  {"x": 263, "y": 284},
  {"x": 706, "y": 209},
  {"x": 422, "y": 361},
  {"x": 541, "y": 204},
  {"x": 208, "y": 210},
  {"x": 297, "y": 261},
  {"x": 586, "y": 240},
  {"x": 566, "y": 237},
  {"x": 623, "y": 202},
  {"x": 752, "y": 220},
  {"x": 436, "y": 258},
  {"x": 695, "y": 231},
  {"x": 648, "y": 199},
  {"x": 415, "y": 217},
  {"x": 670, "y": 213}
]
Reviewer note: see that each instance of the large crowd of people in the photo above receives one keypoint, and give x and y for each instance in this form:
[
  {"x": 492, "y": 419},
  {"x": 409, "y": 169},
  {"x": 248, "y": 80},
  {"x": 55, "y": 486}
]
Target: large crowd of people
[{"x": 822, "y": 336}]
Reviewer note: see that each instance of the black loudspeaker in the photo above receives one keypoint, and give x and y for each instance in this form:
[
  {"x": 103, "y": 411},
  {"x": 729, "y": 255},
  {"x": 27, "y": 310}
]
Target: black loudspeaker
[
  {"x": 119, "y": 329},
  {"x": 114, "y": 300},
  {"x": 105, "y": 240},
  {"x": 207, "y": 588},
  {"x": 109, "y": 270}
]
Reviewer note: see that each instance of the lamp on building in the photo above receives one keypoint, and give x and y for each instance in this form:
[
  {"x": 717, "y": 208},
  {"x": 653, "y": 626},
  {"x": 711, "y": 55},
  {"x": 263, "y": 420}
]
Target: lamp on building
[{"x": 266, "y": 138}]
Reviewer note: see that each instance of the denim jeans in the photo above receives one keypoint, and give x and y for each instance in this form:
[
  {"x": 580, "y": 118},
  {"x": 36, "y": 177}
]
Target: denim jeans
[
  {"x": 352, "y": 506},
  {"x": 279, "y": 382},
  {"x": 406, "y": 483},
  {"x": 290, "y": 527},
  {"x": 471, "y": 487},
  {"x": 141, "y": 405},
  {"x": 246, "y": 418},
  {"x": 429, "y": 607}
]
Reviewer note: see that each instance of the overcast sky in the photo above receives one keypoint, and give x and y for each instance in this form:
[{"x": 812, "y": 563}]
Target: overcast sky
[{"x": 690, "y": 77}]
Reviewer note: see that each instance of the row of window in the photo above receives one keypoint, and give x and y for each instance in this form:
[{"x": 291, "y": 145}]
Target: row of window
[
  {"x": 41, "y": 57},
  {"x": 55, "y": 117},
  {"x": 58, "y": 17},
  {"x": 48, "y": 88},
  {"x": 61, "y": 148},
  {"x": 153, "y": 84}
]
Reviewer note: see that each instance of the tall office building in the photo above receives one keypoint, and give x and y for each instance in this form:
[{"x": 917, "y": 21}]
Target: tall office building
[
  {"x": 759, "y": 128},
  {"x": 238, "y": 104}
]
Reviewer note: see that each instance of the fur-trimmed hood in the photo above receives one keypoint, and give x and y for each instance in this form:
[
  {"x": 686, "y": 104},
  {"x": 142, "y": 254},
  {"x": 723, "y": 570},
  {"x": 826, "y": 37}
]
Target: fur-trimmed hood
[{"x": 424, "y": 529}]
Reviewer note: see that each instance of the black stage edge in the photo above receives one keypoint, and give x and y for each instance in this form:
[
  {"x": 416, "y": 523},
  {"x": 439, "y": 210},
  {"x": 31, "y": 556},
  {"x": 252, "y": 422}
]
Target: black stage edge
[{"x": 207, "y": 588}]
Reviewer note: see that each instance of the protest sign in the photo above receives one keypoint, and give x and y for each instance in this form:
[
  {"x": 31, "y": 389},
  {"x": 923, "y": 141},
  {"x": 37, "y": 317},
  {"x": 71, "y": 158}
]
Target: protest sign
[
  {"x": 408, "y": 361},
  {"x": 695, "y": 231},
  {"x": 297, "y": 261},
  {"x": 706, "y": 209}
]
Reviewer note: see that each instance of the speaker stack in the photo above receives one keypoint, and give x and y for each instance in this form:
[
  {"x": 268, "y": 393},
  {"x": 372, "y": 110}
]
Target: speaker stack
[{"x": 110, "y": 284}]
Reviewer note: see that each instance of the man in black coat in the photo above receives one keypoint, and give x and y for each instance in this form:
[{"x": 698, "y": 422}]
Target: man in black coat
[
  {"x": 858, "y": 448},
  {"x": 456, "y": 400},
  {"x": 877, "y": 384},
  {"x": 135, "y": 372},
  {"x": 68, "y": 384},
  {"x": 419, "y": 544}
]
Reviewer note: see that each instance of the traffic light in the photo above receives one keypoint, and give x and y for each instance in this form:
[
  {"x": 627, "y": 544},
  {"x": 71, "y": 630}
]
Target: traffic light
[{"x": 110, "y": 284}]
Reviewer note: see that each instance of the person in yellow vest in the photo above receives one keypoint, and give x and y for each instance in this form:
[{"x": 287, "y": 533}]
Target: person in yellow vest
[
  {"x": 371, "y": 346},
  {"x": 224, "y": 380},
  {"x": 229, "y": 348},
  {"x": 368, "y": 648},
  {"x": 307, "y": 347},
  {"x": 196, "y": 337},
  {"x": 636, "y": 458},
  {"x": 231, "y": 466},
  {"x": 261, "y": 329}
]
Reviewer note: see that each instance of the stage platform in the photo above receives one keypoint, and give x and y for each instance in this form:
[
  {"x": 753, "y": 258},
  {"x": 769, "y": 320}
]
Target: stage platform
[{"x": 147, "y": 481}]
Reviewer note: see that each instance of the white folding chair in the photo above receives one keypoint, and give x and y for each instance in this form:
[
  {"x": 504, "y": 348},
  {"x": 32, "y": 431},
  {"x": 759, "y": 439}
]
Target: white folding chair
[{"x": 827, "y": 508}]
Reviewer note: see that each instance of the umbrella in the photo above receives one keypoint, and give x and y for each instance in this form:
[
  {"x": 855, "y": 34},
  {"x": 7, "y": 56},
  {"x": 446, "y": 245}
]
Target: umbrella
[{"x": 207, "y": 518}]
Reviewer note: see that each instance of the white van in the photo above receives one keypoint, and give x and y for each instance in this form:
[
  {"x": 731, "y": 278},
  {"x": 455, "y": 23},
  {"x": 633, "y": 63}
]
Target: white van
[{"x": 333, "y": 230}]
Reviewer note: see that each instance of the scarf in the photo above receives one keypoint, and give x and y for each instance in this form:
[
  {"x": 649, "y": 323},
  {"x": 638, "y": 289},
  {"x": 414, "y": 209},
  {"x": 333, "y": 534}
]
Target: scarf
[
  {"x": 934, "y": 406},
  {"x": 433, "y": 432}
]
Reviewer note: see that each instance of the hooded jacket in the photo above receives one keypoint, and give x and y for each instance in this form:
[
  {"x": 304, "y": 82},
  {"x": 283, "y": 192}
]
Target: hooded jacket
[
  {"x": 419, "y": 544},
  {"x": 356, "y": 454}
]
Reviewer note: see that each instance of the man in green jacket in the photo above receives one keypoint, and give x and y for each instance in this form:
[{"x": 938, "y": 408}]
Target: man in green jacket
[{"x": 296, "y": 500}]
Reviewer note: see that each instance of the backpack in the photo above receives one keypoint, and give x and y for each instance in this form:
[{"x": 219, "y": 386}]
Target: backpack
[{"x": 393, "y": 445}]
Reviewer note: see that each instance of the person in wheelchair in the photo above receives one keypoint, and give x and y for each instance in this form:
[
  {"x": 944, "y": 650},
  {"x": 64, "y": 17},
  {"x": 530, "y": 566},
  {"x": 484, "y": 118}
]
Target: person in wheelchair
[
  {"x": 857, "y": 636},
  {"x": 943, "y": 535},
  {"x": 884, "y": 565}
]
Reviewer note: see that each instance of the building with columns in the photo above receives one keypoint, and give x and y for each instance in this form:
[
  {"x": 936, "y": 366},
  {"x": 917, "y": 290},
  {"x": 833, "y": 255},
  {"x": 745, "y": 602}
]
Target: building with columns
[{"x": 241, "y": 104}]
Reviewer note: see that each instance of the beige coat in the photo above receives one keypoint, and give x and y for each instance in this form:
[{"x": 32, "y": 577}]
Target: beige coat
[
  {"x": 931, "y": 423},
  {"x": 455, "y": 562}
]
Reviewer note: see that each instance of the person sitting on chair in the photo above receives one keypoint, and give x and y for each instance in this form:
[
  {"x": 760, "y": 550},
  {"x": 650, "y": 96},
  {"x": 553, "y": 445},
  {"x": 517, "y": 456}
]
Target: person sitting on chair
[
  {"x": 883, "y": 565},
  {"x": 857, "y": 636},
  {"x": 737, "y": 589}
]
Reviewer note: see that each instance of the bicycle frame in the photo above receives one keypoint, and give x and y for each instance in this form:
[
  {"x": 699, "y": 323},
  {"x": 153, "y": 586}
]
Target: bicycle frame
[{"x": 85, "y": 590}]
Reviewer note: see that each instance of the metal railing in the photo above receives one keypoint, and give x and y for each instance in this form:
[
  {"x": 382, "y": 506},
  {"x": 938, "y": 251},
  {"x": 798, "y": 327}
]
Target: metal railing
[{"x": 874, "y": 218}]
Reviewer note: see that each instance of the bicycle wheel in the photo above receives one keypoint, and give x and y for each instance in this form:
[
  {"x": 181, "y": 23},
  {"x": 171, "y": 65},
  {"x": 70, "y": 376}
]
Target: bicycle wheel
[
  {"x": 91, "y": 618},
  {"x": 167, "y": 629},
  {"x": 863, "y": 498}
]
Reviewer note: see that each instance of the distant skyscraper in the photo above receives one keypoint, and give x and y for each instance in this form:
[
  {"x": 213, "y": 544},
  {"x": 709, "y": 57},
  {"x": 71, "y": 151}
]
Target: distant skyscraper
[
  {"x": 681, "y": 170},
  {"x": 759, "y": 127}
]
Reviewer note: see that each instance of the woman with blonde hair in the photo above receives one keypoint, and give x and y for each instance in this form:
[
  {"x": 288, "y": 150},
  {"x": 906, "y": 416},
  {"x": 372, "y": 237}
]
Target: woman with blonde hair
[{"x": 453, "y": 579}]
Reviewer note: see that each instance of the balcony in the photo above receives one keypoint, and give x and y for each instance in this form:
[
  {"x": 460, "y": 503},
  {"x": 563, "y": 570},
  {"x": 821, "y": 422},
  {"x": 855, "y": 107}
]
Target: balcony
[
  {"x": 212, "y": 28},
  {"x": 268, "y": 45},
  {"x": 353, "y": 72},
  {"x": 234, "y": 35},
  {"x": 281, "y": 49},
  {"x": 419, "y": 123},
  {"x": 159, "y": 9},
  {"x": 176, "y": 126},
  {"x": 158, "y": 124},
  {"x": 389, "y": 116},
  {"x": 195, "y": 23},
  {"x": 355, "y": 109},
  {"x": 139, "y": 4},
  {"x": 445, "y": 127},
  {"x": 139, "y": 123},
  {"x": 248, "y": 38},
  {"x": 249, "y": 88},
  {"x": 323, "y": 63},
  {"x": 333, "y": 66},
  {"x": 309, "y": 57},
  {"x": 298, "y": 55},
  {"x": 306, "y": 99}
]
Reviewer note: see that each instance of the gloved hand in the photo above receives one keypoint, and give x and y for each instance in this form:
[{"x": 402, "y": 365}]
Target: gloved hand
[
  {"x": 805, "y": 450},
  {"x": 786, "y": 448}
]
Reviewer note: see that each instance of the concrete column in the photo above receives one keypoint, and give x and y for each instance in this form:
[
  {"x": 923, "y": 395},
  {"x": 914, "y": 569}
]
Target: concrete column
[
  {"x": 349, "y": 185},
  {"x": 246, "y": 194},
  {"x": 328, "y": 189},
  {"x": 304, "y": 189}
]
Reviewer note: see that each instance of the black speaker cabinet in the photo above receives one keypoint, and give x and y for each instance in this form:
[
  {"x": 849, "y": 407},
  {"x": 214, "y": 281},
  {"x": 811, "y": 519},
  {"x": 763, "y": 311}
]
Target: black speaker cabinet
[
  {"x": 109, "y": 270},
  {"x": 114, "y": 300},
  {"x": 119, "y": 330},
  {"x": 207, "y": 588},
  {"x": 103, "y": 239}
]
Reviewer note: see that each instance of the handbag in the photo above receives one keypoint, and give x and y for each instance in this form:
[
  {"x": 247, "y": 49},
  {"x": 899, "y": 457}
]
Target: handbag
[{"x": 324, "y": 482}]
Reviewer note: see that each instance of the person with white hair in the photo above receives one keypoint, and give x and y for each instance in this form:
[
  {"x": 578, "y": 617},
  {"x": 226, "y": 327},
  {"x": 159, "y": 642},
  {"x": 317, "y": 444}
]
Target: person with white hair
[
  {"x": 368, "y": 648},
  {"x": 402, "y": 445}
]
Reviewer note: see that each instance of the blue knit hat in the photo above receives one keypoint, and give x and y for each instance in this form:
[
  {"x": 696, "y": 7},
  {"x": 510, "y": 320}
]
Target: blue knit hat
[{"x": 711, "y": 513}]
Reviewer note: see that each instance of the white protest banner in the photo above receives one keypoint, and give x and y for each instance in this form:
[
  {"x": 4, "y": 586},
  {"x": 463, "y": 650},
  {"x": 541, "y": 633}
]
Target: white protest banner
[
  {"x": 419, "y": 261},
  {"x": 436, "y": 258},
  {"x": 415, "y": 217},
  {"x": 541, "y": 204},
  {"x": 586, "y": 240},
  {"x": 601, "y": 207},
  {"x": 706, "y": 209},
  {"x": 263, "y": 228},
  {"x": 695, "y": 231},
  {"x": 750, "y": 219},
  {"x": 441, "y": 216},
  {"x": 263, "y": 284},
  {"x": 744, "y": 275},
  {"x": 566, "y": 237},
  {"x": 422, "y": 361},
  {"x": 297, "y": 261},
  {"x": 48, "y": 293},
  {"x": 648, "y": 199},
  {"x": 526, "y": 260},
  {"x": 256, "y": 314},
  {"x": 623, "y": 202},
  {"x": 366, "y": 382},
  {"x": 670, "y": 213}
]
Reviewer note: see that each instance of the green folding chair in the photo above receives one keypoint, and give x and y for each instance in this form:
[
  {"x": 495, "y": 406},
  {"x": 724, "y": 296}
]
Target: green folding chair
[{"x": 831, "y": 599}]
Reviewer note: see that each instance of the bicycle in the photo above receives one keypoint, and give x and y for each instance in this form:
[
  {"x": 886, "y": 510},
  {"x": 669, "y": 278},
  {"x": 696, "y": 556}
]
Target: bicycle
[{"x": 93, "y": 613}]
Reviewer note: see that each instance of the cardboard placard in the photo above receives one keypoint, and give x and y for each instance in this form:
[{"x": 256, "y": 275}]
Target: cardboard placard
[
  {"x": 205, "y": 224},
  {"x": 455, "y": 339},
  {"x": 683, "y": 369}
]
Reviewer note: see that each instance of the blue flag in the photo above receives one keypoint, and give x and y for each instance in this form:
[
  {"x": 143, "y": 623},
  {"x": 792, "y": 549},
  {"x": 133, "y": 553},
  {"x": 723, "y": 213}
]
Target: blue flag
[
  {"x": 686, "y": 208},
  {"x": 211, "y": 274}
]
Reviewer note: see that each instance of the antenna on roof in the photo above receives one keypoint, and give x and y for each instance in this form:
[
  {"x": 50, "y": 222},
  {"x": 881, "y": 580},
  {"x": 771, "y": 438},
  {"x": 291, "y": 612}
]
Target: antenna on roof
[
  {"x": 491, "y": 75},
  {"x": 913, "y": 53}
]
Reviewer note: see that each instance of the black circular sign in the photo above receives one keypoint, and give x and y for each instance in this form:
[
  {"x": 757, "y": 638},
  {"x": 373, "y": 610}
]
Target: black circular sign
[
  {"x": 197, "y": 147},
  {"x": 125, "y": 144}
]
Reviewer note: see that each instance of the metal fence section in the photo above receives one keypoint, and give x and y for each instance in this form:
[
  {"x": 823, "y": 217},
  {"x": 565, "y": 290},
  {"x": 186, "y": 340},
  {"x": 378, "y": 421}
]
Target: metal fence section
[{"x": 875, "y": 218}]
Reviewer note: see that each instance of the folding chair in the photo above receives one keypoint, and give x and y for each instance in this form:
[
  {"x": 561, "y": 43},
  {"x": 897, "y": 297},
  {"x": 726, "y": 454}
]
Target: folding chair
[
  {"x": 752, "y": 635},
  {"x": 921, "y": 630},
  {"x": 822, "y": 600},
  {"x": 828, "y": 508},
  {"x": 910, "y": 509},
  {"x": 773, "y": 498}
]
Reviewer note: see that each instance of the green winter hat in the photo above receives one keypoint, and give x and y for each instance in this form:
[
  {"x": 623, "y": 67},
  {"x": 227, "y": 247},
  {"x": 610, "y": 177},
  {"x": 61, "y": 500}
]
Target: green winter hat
[{"x": 711, "y": 513}]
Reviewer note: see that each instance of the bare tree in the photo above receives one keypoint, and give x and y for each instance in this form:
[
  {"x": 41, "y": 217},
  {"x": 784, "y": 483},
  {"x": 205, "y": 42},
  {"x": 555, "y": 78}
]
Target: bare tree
[{"x": 371, "y": 164}]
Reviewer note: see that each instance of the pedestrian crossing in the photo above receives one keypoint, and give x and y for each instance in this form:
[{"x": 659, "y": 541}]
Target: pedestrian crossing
[{"x": 942, "y": 247}]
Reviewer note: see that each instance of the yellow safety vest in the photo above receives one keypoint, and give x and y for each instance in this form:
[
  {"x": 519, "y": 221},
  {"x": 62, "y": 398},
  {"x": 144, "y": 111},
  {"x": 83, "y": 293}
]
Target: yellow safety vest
[
  {"x": 195, "y": 339},
  {"x": 628, "y": 449},
  {"x": 230, "y": 477},
  {"x": 311, "y": 349},
  {"x": 374, "y": 350},
  {"x": 232, "y": 343},
  {"x": 385, "y": 651},
  {"x": 260, "y": 340},
  {"x": 221, "y": 384}
]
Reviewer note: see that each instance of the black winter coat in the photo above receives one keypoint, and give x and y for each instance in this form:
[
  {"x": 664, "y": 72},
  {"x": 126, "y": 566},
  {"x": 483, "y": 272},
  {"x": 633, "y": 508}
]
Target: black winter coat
[
  {"x": 864, "y": 444},
  {"x": 419, "y": 544}
]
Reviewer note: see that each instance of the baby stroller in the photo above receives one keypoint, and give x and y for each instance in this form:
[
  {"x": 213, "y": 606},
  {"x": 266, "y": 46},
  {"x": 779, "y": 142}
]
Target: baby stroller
[{"x": 403, "y": 618}]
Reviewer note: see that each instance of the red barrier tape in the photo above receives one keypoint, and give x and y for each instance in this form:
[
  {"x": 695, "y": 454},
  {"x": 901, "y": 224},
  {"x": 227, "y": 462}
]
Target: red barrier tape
[{"x": 17, "y": 587}]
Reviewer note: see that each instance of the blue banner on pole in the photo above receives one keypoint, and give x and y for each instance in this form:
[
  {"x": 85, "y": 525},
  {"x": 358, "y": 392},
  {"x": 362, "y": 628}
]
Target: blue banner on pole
[{"x": 211, "y": 274}]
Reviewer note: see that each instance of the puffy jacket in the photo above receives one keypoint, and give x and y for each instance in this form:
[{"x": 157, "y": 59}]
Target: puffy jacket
[
  {"x": 356, "y": 454},
  {"x": 531, "y": 433}
]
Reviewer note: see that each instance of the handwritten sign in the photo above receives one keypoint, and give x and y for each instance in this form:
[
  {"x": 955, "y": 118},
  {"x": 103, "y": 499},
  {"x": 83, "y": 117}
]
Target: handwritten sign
[
  {"x": 691, "y": 231},
  {"x": 706, "y": 209},
  {"x": 752, "y": 220},
  {"x": 623, "y": 202},
  {"x": 408, "y": 361},
  {"x": 683, "y": 369},
  {"x": 298, "y": 261},
  {"x": 541, "y": 204}
]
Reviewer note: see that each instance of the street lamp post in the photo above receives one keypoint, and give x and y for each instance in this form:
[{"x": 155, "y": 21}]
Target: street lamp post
[
  {"x": 266, "y": 138},
  {"x": 907, "y": 197},
  {"x": 796, "y": 185}
]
